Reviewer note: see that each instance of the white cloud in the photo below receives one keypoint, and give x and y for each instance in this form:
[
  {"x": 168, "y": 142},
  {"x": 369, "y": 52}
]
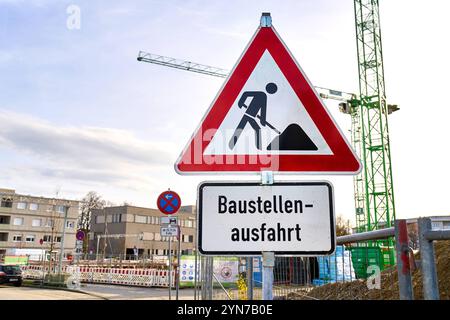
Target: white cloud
[{"x": 89, "y": 154}]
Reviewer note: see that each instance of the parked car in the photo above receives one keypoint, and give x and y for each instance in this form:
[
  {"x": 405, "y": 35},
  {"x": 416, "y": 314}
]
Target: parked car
[{"x": 10, "y": 274}]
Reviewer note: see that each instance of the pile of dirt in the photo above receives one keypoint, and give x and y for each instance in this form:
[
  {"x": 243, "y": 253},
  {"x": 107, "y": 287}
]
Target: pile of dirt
[{"x": 357, "y": 290}]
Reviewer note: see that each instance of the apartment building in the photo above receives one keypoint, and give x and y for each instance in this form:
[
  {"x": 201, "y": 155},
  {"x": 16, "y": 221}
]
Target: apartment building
[
  {"x": 133, "y": 221},
  {"x": 25, "y": 220}
]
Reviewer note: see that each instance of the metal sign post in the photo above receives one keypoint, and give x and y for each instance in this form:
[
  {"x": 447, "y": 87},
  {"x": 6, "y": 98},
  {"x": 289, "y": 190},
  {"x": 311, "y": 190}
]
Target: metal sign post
[
  {"x": 170, "y": 270},
  {"x": 249, "y": 272},
  {"x": 268, "y": 257},
  {"x": 169, "y": 203},
  {"x": 267, "y": 275},
  {"x": 178, "y": 261}
]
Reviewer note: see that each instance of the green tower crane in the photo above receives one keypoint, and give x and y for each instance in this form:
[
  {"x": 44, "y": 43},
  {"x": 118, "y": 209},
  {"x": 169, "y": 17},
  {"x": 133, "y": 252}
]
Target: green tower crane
[{"x": 374, "y": 193}]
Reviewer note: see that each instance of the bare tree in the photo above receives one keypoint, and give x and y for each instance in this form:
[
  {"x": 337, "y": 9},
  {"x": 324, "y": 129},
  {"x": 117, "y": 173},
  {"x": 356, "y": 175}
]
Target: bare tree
[
  {"x": 91, "y": 201},
  {"x": 342, "y": 226}
]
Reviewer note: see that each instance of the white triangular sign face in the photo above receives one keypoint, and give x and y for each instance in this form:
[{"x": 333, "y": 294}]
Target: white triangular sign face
[
  {"x": 282, "y": 108},
  {"x": 268, "y": 117}
]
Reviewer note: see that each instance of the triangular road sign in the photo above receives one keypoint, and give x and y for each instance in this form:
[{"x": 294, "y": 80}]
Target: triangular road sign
[{"x": 267, "y": 117}]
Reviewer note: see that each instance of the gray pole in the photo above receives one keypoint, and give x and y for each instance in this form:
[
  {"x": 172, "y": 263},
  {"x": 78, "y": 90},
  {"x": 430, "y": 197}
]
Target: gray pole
[
  {"x": 268, "y": 264},
  {"x": 61, "y": 254},
  {"x": 403, "y": 267},
  {"x": 249, "y": 278},
  {"x": 202, "y": 278},
  {"x": 268, "y": 257},
  {"x": 195, "y": 274},
  {"x": 98, "y": 244},
  {"x": 170, "y": 270},
  {"x": 429, "y": 274},
  {"x": 178, "y": 261},
  {"x": 210, "y": 277}
]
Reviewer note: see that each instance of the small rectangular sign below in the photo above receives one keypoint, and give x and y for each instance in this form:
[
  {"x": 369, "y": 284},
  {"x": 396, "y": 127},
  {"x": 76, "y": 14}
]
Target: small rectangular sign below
[
  {"x": 247, "y": 218},
  {"x": 169, "y": 220},
  {"x": 169, "y": 231}
]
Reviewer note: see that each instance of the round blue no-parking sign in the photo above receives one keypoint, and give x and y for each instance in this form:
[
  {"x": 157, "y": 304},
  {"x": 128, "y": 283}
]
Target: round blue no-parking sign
[{"x": 169, "y": 202}]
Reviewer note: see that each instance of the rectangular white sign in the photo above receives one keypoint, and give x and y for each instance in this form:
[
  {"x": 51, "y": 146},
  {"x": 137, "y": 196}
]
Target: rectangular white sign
[
  {"x": 170, "y": 231},
  {"x": 169, "y": 220},
  {"x": 247, "y": 218}
]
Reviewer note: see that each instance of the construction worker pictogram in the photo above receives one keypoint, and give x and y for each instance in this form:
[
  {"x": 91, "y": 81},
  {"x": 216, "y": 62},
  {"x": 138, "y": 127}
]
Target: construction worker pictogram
[
  {"x": 256, "y": 110},
  {"x": 267, "y": 116}
]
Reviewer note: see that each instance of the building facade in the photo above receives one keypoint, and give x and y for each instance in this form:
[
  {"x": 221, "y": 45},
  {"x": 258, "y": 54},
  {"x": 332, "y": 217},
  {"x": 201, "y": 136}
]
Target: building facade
[
  {"x": 26, "y": 220},
  {"x": 136, "y": 227}
]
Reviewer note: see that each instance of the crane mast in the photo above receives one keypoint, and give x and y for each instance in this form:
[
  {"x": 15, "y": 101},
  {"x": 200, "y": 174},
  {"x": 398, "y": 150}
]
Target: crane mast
[
  {"x": 373, "y": 130},
  {"x": 374, "y": 193}
]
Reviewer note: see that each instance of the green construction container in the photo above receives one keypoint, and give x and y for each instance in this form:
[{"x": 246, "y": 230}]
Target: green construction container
[
  {"x": 389, "y": 257},
  {"x": 362, "y": 257}
]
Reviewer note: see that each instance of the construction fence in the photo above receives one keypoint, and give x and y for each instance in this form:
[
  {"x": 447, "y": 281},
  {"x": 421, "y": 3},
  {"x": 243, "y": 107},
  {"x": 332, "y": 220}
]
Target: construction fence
[{"x": 376, "y": 265}]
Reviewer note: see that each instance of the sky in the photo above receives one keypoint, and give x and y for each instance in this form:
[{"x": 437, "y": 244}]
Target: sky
[{"x": 78, "y": 112}]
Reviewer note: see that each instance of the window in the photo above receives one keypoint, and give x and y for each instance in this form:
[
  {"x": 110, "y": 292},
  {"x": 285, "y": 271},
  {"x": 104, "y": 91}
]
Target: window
[
  {"x": 6, "y": 203},
  {"x": 22, "y": 205},
  {"x": 70, "y": 224},
  {"x": 47, "y": 238},
  {"x": 34, "y": 206},
  {"x": 5, "y": 219},
  {"x": 49, "y": 223},
  {"x": 17, "y": 238},
  {"x": 100, "y": 219},
  {"x": 157, "y": 237},
  {"x": 30, "y": 238},
  {"x": 117, "y": 218},
  {"x": 191, "y": 238},
  {"x": 3, "y": 236},
  {"x": 18, "y": 221},
  {"x": 60, "y": 209},
  {"x": 140, "y": 219},
  {"x": 36, "y": 223},
  {"x": 57, "y": 239}
]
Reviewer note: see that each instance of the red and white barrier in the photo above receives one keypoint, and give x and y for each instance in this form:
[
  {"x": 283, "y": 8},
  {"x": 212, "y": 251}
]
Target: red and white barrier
[{"x": 132, "y": 277}]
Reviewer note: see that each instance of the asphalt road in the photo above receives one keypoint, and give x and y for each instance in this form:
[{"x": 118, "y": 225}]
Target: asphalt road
[
  {"x": 135, "y": 293},
  {"x": 29, "y": 293},
  {"x": 92, "y": 292}
]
